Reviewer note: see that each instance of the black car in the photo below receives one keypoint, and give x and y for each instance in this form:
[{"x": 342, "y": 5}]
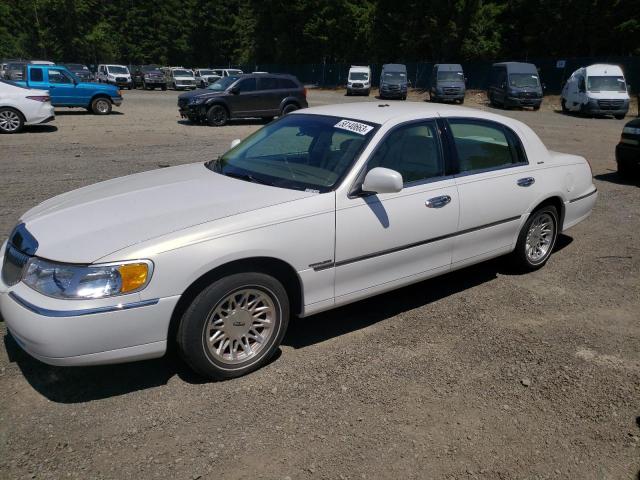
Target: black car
[
  {"x": 243, "y": 96},
  {"x": 148, "y": 77},
  {"x": 80, "y": 71},
  {"x": 628, "y": 150}
]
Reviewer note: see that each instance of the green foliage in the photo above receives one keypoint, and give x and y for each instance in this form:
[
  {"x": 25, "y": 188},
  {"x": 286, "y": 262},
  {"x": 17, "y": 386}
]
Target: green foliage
[{"x": 214, "y": 32}]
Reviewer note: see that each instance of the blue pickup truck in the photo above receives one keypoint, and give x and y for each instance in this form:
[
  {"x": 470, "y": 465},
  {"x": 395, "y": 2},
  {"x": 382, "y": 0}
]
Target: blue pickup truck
[{"x": 67, "y": 90}]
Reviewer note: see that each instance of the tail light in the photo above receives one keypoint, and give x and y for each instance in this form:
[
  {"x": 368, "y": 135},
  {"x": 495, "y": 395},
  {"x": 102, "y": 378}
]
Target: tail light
[{"x": 40, "y": 98}]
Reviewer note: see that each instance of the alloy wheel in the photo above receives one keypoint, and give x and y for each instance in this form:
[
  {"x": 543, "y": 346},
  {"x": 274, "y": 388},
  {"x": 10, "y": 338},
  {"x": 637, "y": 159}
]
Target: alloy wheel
[
  {"x": 9, "y": 121},
  {"x": 540, "y": 238}
]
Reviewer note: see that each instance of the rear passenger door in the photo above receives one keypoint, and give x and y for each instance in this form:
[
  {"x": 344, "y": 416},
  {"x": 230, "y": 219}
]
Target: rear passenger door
[
  {"x": 270, "y": 95},
  {"x": 495, "y": 184}
]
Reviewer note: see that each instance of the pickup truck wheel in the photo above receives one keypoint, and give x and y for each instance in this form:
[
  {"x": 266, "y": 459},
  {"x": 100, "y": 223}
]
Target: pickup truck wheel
[
  {"x": 234, "y": 326},
  {"x": 101, "y": 106},
  {"x": 11, "y": 121},
  {"x": 288, "y": 108},
  {"x": 619, "y": 117},
  {"x": 537, "y": 239},
  {"x": 164, "y": 88},
  {"x": 217, "y": 116}
]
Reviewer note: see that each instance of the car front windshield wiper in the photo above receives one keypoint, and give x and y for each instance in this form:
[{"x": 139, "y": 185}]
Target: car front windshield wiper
[{"x": 245, "y": 176}]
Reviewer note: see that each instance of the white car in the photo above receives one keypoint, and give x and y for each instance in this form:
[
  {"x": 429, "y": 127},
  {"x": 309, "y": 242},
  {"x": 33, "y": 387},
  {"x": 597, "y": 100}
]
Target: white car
[
  {"x": 118, "y": 75},
  {"x": 205, "y": 77},
  {"x": 323, "y": 207},
  {"x": 596, "y": 90},
  {"x": 181, "y": 79},
  {"x": 21, "y": 106}
]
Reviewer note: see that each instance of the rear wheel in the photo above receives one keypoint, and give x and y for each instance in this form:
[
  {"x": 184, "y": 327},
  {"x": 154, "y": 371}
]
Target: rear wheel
[
  {"x": 290, "y": 107},
  {"x": 101, "y": 106},
  {"x": 563, "y": 105},
  {"x": 536, "y": 107},
  {"x": 537, "y": 239},
  {"x": 217, "y": 116},
  {"x": 234, "y": 326},
  {"x": 164, "y": 87},
  {"x": 11, "y": 121}
]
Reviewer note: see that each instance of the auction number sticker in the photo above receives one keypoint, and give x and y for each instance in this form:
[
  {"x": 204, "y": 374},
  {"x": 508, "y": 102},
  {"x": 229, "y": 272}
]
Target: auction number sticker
[{"x": 355, "y": 127}]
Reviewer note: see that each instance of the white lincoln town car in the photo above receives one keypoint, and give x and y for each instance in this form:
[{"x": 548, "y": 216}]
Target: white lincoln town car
[{"x": 322, "y": 207}]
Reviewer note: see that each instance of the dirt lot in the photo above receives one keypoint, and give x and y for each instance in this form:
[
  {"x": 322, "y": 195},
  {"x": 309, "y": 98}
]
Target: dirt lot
[{"x": 479, "y": 374}]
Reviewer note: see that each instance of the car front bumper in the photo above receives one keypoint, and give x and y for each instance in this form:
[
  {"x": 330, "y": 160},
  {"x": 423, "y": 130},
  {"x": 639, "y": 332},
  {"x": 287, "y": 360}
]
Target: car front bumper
[
  {"x": 523, "y": 102},
  {"x": 93, "y": 332}
]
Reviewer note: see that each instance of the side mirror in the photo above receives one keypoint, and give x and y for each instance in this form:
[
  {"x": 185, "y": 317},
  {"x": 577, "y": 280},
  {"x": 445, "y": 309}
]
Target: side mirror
[
  {"x": 235, "y": 143},
  {"x": 382, "y": 180},
  {"x": 235, "y": 90}
]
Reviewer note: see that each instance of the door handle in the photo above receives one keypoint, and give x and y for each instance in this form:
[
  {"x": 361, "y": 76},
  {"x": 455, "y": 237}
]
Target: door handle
[
  {"x": 526, "y": 182},
  {"x": 438, "y": 202}
]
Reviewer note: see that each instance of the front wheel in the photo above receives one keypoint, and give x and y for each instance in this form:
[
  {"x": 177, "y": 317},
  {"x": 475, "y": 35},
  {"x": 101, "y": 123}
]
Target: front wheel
[
  {"x": 217, "y": 116},
  {"x": 563, "y": 105},
  {"x": 11, "y": 121},
  {"x": 101, "y": 106},
  {"x": 234, "y": 326},
  {"x": 619, "y": 117},
  {"x": 537, "y": 239},
  {"x": 164, "y": 88}
]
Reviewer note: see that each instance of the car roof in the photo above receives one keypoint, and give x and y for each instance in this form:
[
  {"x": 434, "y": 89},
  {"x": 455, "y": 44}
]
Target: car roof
[
  {"x": 449, "y": 67},
  {"x": 516, "y": 67},
  {"x": 396, "y": 112},
  {"x": 603, "y": 69}
]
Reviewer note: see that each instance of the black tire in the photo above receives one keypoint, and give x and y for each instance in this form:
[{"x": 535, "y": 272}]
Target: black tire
[
  {"x": 164, "y": 88},
  {"x": 267, "y": 119},
  {"x": 348, "y": 93},
  {"x": 624, "y": 170},
  {"x": 404, "y": 97},
  {"x": 217, "y": 116},
  {"x": 563, "y": 106},
  {"x": 619, "y": 117},
  {"x": 144, "y": 86},
  {"x": 11, "y": 120},
  {"x": 174, "y": 86},
  {"x": 288, "y": 108},
  {"x": 536, "y": 108},
  {"x": 524, "y": 261},
  {"x": 195, "y": 323},
  {"x": 461, "y": 101},
  {"x": 101, "y": 106}
]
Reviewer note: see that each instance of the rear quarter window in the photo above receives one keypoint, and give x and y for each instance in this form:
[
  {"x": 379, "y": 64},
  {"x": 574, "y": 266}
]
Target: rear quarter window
[{"x": 287, "y": 83}]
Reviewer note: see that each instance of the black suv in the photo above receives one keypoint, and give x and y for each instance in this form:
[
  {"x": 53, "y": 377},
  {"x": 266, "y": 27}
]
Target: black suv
[
  {"x": 261, "y": 95},
  {"x": 148, "y": 77}
]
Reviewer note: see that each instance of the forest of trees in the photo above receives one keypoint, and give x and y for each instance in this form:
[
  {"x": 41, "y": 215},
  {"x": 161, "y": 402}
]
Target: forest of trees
[{"x": 221, "y": 32}]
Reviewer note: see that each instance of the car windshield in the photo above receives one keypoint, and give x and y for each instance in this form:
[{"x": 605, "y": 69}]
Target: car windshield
[
  {"x": 606, "y": 84},
  {"x": 524, "y": 80},
  {"x": 395, "y": 76},
  {"x": 234, "y": 72},
  {"x": 121, "y": 70},
  {"x": 299, "y": 151},
  {"x": 359, "y": 76},
  {"x": 182, "y": 73},
  {"x": 207, "y": 72},
  {"x": 222, "y": 84},
  {"x": 15, "y": 66},
  {"x": 451, "y": 76}
]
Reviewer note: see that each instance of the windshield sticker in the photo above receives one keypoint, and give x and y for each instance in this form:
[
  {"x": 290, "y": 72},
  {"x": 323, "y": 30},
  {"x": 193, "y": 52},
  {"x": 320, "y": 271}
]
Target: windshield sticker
[{"x": 355, "y": 127}]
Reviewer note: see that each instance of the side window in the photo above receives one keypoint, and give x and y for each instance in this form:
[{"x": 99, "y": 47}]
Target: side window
[
  {"x": 268, "y": 83},
  {"x": 247, "y": 85},
  {"x": 413, "y": 151},
  {"x": 37, "y": 75},
  {"x": 286, "y": 83},
  {"x": 58, "y": 76},
  {"x": 483, "y": 145}
]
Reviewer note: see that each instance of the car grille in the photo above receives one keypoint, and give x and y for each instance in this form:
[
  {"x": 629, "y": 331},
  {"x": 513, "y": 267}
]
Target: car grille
[
  {"x": 358, "y": 85},
  {"x": 528, "y": 95},
  {"x": 121, "y": 79},
  {"x": 185, "y": 82},
  {"x": 610, "y": 104},
  {"x": 451, "y": 90},
  {"x": 392, "y": 88},
  {"x": 13, "y": 266}
]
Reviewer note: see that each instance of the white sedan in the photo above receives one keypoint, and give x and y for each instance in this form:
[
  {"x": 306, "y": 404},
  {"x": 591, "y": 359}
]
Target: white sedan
[
  {"x": 323, "y": 207},
  {"x": 21, "y": 106}
]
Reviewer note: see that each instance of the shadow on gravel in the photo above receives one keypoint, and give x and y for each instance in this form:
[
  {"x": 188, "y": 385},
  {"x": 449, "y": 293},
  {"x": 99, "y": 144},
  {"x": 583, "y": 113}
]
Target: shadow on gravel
[
  {"x": 63, "y": 113},
  {"x": 615, "y": 177},
  {"x": 39, "y": 129},
  {"x": 237, "y": 121},
  {"x": 304, "y": 332}
]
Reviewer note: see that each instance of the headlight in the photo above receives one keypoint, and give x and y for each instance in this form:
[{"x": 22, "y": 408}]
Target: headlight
[
  {"x": 197, "y": 100},
  {"x": 69, "y": 281}
]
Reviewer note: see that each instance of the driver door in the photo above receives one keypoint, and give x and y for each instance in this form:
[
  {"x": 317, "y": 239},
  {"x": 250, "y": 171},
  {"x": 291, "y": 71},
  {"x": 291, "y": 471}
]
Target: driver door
[
  {"x": 244, "y": 101},
  {"x": 387, "y": 240},
  {"x": 62, "y": 88}
]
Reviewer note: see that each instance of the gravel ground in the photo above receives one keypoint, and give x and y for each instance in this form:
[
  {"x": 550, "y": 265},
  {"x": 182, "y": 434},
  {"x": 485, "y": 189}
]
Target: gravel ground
[{"x": 481, "y": 373}]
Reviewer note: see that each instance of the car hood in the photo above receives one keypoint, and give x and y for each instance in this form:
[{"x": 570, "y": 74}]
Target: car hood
[
  {"x": 87, "y": 224},
  {"x": 200, "y": 92}
]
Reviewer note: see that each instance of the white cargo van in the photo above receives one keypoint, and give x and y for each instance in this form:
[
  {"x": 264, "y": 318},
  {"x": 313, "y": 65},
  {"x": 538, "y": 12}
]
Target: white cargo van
[
  {"x": 359, "y": 80},
  {"x": 596, "y": 90}
]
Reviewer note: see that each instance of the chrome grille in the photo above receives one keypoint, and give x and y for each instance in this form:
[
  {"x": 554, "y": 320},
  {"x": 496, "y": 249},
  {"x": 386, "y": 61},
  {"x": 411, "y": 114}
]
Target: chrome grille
[{"x": 13, "y": 265}]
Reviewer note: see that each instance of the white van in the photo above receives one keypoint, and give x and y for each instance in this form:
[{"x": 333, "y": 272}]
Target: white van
[
  {"x": 596, "y": 90},
  {"x": 118, "y": 75},
  {"x": 359, "y": 80}
]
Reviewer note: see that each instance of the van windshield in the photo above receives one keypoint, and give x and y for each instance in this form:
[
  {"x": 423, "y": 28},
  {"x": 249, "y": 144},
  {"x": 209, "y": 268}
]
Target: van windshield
[
  {"x": 120, "y": 70},
  {"x": 395, "y": 76},
  {"x": 606, "y": 84},
  {"x": 359, "y": 76},
  {"x": 451, "y": 76},
  {"x": 524, "y": 80}
]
